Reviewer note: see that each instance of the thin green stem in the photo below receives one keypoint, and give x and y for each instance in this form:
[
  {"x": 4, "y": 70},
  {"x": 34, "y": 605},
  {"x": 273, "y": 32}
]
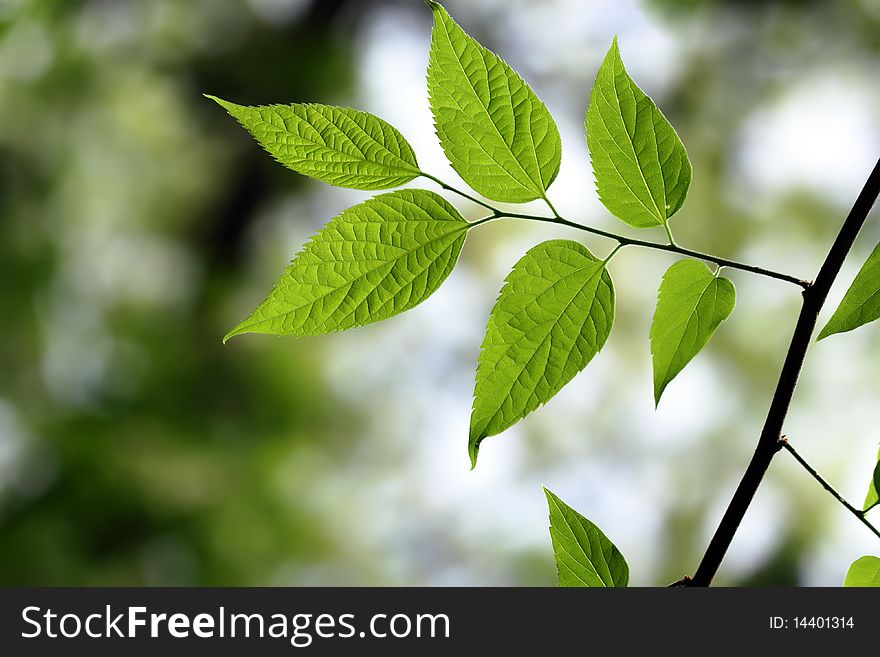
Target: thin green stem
[
  {"x": 613, "y": 253},
  {"x": 452, "y": 189},
  {"x": 849, "y": 507},
  {"x": 498, "y": 213},
  {"x": 552, "y": 209},
  {"x": 669, "y": 233}
]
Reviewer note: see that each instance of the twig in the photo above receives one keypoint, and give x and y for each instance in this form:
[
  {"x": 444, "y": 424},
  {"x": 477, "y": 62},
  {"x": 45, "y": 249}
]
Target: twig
[
  {"x": 768, "y": 443},
  {"x": 837, "y": 496},
  {"x": 672, "y": 247}
]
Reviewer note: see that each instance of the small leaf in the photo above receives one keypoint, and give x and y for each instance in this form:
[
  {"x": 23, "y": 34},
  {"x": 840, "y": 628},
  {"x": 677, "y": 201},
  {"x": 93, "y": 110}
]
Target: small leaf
[
  {"x": 340, "y": 146},
  {"x": 692, "y": 302},
  {"x": 497, "y": 134},
  {"x": 553, "y": 315},
  {"x": 373, "y": 261},
  {"x": 872, "y": 499},
  {"x": 864, "y": 571},
  {"x": 861, "y": 303},
  {"x": 584, "y": 555},
  {"x": 641, "y": 167}
]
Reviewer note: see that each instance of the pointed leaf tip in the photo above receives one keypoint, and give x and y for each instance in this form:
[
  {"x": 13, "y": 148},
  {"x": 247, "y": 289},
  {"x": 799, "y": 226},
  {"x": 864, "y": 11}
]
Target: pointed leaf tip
[
  {"x": 641, "y": 167},
  {"x": 337, "y": 145},
  {"x": 584, "y": 555},
  {"x": 691, "y": 303},
  {"x": 474, "y": 450},
  {"x": 497, "y": 134},
  {"x": 225, "y": 104},
  {"x": 553, "y": 315},
  {"x": 238, "y": 330},
  {"x": 397, "y": 249},
  {"x": 229, "y": 336}
]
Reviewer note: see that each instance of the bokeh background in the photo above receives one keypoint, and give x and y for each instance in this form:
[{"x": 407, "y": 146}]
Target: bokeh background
[{"x": 138, "y": 223}]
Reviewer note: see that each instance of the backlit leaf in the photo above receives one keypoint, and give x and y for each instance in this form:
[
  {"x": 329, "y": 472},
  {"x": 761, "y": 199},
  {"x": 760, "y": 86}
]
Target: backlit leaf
[
  {"x": 584, "y": 555},
  {"x": 861, "y": 303},
  {"x": 692, "y": 302},
  {"x": 497, "y": 134},
  {"x": 340, "y": 146},
  {"x": 373, "y": 261},
  {"x": 864, "y": 571},
  {"x": 641, "y": 167},
  {"x": 553, "y": 315}
]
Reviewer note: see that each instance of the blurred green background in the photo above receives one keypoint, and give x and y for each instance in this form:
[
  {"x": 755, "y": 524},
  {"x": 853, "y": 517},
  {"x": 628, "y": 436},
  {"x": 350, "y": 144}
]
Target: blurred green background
[{"x": 138, "y": 223}]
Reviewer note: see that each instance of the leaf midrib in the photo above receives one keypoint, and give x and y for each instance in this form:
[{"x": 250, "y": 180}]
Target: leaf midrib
[
  {"x": 561, "y": 514},
  {"x": 407, "y": 168},
  {"x": 553, "y": 325},
  {"x": 349, "y": 284},
  {"x": 679, "y": 335},
  {"x": 634, "y": 159},
  {"x": 486, "y": 111},
  {"x": 661, "y": 216}
]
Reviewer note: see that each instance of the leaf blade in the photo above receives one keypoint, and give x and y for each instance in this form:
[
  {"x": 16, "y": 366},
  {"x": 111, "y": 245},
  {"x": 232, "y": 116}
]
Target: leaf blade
[
  {"x": 337, "y": 145},
  {"x": 641, "y": 167},
  {"x": 584, "y": 555},
  {"x": 373, "y": 261},
  {"x": 553, "y": 315},
  {"x": 691, "y": 303},
  {"x": 496, "y": 133},
  {"x": 864, "y": 572},
  {"x": 861, "y": 303}
]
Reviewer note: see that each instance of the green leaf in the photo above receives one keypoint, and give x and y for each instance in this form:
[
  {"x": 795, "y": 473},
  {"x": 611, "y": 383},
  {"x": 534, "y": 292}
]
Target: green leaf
[
  {"x": 497, "y": 134},
  {"x": 641, "y": 167},
  {"x": 584, "y": 555},
  {"x": 692, "y": 302},
  {"x": 864, "y": 571},
  {"x": 553, "y": 315},
  {"x": 872, "y": 499},
  {"x": 861, "y": 303},
  {"x": 340, "y": 146},
  {"x": 373, "y": 261}
]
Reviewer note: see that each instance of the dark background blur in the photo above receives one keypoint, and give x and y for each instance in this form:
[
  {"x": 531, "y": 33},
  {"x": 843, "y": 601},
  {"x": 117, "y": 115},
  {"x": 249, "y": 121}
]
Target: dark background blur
[{"x": 138, "y": 223}]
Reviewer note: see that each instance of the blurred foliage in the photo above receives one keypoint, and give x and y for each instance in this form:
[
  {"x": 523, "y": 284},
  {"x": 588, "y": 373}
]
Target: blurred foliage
[
  {"x": 135, "y": 449},
  {"x": 148, "y": 449}
]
